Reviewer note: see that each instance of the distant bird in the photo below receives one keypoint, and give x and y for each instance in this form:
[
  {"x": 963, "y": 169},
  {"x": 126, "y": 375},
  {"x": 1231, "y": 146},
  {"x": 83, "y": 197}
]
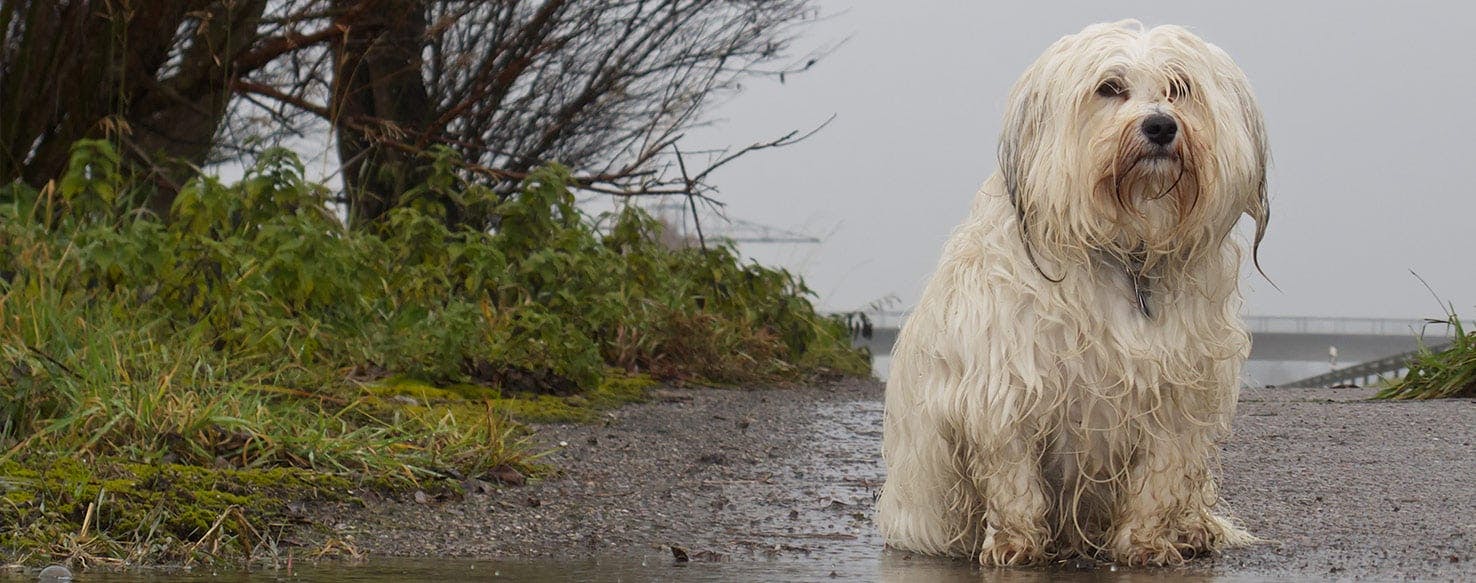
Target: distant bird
[{"x": 1060, "y": 388}]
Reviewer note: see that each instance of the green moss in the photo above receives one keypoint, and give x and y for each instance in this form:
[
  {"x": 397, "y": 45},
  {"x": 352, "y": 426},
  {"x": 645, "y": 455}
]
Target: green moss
[
  {"x": 473, "y": 392},
  {"x": 543, "y": 409},
  {"x": 625, "y": 388},
  {"x": 468, "y": 401},
  {"x": 19, "y": 497},
  {"x": 613, "y": 391},
  {"x": 421, "y": 391},
  {"x": 157, "y": 513},
  {"x": 424, "y": 392}
]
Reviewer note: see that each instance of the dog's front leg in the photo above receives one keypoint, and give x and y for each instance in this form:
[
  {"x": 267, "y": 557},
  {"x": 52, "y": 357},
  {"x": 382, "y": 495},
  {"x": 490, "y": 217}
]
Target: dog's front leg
[
  {"x": 1164, "y": 516},
  {"x": 1016, "y": 507}
]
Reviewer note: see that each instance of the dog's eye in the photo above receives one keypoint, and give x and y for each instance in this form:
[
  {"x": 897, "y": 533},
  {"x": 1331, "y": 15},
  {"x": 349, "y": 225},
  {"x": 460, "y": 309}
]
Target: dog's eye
[
  {"x": 1178, "y": 89},
  {"x": 1112, "y": 88}
]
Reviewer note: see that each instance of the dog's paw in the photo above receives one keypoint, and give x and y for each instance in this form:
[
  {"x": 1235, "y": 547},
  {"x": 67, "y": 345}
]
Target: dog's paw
[
  {"x": 1004, "y": 549},
  {"x": 1196, "y": 539},
  {"x": 1152, "y": 552},
  {"x": 1214, "y": 533},
  {"x": 1173, "y": 541},
  {"x": 1157, "y": 553},
  {"x": 1156, "y": 546}
]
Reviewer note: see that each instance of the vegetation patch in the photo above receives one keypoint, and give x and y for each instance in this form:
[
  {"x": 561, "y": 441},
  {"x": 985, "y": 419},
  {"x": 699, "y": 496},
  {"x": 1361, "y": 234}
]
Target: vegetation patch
[
  {"x": 1436, "y": 375},
  {"x": 114, "y": 512},
  {"x": 252, "y": 339},
  {"x": 614, "y": 390}
]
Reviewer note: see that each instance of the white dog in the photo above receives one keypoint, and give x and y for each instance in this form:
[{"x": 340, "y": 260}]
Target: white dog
[{"x": 1061, "y": 386}]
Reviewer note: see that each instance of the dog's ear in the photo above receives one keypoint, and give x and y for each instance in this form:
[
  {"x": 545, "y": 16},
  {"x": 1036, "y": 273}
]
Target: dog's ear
[
  {"x": 1260, "y": 210},
  {"x": 1258, "y": 206},
  {"x": 1019, "y": 139},
  {"x": 1019, "y": 152}
]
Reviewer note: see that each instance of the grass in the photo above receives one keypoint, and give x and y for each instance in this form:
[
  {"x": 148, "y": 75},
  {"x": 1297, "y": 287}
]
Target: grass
[
  {"x": 167, "y": 387},
  {"x": 116, "y": 513},
  {"x": 138, "y": 445},
  {"x": 1438, "y": 375}
]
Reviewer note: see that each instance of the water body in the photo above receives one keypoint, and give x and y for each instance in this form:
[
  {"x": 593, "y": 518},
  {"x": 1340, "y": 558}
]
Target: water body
[{"x": 1255, "y": 373}]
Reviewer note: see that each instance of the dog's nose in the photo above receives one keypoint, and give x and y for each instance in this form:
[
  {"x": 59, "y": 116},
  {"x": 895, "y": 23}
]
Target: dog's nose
[{"x": 1160, "y": 129}]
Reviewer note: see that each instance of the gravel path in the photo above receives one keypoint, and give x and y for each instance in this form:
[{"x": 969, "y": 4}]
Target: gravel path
[{"x": 1339, "y": 486}]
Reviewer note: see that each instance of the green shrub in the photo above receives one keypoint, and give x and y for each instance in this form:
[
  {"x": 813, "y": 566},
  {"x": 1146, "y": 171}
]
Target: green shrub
[
  {"x": 252, "y": 330},
  {"x": 258, "y": 284}
]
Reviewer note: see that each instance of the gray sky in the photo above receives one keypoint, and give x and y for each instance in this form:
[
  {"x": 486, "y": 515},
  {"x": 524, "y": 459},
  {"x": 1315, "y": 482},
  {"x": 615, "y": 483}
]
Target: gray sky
[{"x": 1370, "y": 108}]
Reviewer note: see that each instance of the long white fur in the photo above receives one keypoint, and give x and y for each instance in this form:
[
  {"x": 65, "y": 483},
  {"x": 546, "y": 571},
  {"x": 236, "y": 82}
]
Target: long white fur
[{"x": 1033, "y": 410}]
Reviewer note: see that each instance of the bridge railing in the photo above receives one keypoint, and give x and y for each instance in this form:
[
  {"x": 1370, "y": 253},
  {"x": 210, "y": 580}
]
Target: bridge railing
[
  {"x": 1277, "y": 325},
  {"x": 1340, "y": 326}
]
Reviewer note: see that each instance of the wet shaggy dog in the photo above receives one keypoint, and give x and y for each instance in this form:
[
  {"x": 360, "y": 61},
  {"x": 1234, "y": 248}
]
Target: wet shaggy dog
[{"x": 1061, "y": 386}]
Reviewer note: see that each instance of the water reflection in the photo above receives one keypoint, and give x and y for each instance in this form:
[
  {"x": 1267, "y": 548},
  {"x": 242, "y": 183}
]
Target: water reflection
[
  {"x": 897, "y": 567},
  {"x": 886, "y": 566},
  {"x": 1255, "y": 373}
]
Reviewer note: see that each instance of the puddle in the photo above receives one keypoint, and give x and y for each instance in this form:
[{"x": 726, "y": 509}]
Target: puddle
[{"x": 888, "y": 566}]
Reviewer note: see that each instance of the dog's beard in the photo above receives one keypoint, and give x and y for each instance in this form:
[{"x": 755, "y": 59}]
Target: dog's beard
[{"x": 1149, "y": 194}]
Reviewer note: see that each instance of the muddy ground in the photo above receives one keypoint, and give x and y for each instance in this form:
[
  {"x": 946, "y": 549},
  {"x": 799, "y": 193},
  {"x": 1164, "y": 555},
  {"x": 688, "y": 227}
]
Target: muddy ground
[{"x": 1339, "y": 487}]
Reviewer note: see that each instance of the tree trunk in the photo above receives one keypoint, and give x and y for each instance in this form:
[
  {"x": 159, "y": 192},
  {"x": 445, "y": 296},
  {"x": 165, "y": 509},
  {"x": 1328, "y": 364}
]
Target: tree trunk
[
  {"x": 378, "y": 91},
  {"x": 175, "y": 120},
  {"x": 84, "y": 69}
]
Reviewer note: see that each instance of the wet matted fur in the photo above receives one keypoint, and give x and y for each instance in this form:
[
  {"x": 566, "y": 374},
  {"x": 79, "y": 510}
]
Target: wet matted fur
[{"x": 1062, "y": 385}]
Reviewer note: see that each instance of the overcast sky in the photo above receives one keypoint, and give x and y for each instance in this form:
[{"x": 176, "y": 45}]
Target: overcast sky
[{"x": 1371, "y": 109}]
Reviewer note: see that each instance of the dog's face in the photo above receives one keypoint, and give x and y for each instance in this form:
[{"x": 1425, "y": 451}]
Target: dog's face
[{"x": 1137, "y": 142}]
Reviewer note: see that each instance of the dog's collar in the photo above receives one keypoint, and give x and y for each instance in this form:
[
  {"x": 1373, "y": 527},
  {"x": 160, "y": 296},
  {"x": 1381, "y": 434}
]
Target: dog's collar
[
  {"x": 1132, "y": 266},
  {"x": 1136, "y": 273}
]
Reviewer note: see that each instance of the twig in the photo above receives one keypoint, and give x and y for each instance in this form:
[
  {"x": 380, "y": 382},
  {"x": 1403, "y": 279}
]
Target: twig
[
  {"x": 53, "y": 361},
  {"x": 691, "y": 196},
  {"x": 788, "y": 139}
]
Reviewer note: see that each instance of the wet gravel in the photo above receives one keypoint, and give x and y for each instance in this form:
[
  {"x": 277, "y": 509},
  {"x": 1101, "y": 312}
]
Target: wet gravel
[
  {"x": 1344, "y": 487},
  {"x": 1338, "y": 486},
  {"x": 721, "y": 473}
]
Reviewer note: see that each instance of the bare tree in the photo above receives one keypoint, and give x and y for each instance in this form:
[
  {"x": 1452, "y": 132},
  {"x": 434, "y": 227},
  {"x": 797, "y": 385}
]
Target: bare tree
[
  {"x": 155, "y": 74},
  {"x": 605, "y": 87}
]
